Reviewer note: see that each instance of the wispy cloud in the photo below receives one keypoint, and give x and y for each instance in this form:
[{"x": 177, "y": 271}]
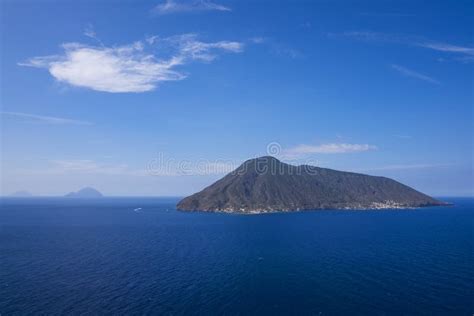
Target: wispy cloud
[
  {"x": 159, "y": 167},
  {"x": 189, "y": 48},
  {"x": 367, "y": 36},
  {"x": 258, "y": 40},
  {"x": 444, "y": 47},
  {"x": 331, "y": 148},
  {"x": 387, "y": 14},
  {"x": 90, "y": 32},
  {"x": 284, "y": 50},
  {"x": 306, "y": 25},
  {"x": 172, "y": 6},
  {"x": 277, "y": 48},
  {"x": 156, "y": 167},
  {"x": 130, "y": 68},
  {"x": 413, "y": 74},
  {"x": 406, "y": 167},
  {"x": 466, "y": 53},
  {"x": 401, "y": 136},
  {"x": 44, "y": 119},
  {"x": 85, "y": 166}
]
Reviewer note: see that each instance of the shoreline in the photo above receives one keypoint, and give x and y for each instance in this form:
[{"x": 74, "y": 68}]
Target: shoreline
[{"x": 380, "y": 207}]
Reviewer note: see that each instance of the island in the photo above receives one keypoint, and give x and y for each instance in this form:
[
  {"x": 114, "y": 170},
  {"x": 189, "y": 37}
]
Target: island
[
  {"x": 266, "y": 184},
  {"x": 85, "y": 193}
]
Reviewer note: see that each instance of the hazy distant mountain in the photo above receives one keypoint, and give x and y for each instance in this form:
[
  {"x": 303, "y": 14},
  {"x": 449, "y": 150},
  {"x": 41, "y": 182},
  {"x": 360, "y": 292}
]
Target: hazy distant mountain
[
  {"x": 21, "y": 194},
  {"x": 266, "y": 184},
  {"x": 85, "y": 193}
]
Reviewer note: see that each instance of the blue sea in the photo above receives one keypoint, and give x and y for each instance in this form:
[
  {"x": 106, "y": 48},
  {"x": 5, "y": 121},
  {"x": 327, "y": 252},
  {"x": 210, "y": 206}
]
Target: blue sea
[{"x": 106, "y": 256}]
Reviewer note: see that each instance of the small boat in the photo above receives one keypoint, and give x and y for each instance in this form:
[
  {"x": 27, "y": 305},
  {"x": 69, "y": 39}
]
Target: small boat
[{"x": 137, "y": 209}]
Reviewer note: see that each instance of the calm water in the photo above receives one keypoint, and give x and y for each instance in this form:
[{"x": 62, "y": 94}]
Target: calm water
[{"x": 59, "y": 256}]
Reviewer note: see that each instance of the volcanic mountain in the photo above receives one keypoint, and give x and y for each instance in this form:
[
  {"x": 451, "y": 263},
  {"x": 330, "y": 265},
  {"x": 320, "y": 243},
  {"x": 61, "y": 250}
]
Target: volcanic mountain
[{"x": 266, "y": 184}]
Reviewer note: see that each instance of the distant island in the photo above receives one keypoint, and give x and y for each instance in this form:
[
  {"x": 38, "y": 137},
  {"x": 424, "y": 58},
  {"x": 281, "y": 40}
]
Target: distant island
[
  {"x": 22, "y": 194},
  {"x": 266, "y": 184},
  {"x": 85, "y": 193}
]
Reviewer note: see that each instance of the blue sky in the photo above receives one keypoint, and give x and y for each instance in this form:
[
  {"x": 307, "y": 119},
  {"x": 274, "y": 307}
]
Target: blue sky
[{"x": 164, "y": 97}]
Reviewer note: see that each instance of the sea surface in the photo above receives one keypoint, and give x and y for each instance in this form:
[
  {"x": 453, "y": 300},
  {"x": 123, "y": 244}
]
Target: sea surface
[{"x": 106, "y": 256}]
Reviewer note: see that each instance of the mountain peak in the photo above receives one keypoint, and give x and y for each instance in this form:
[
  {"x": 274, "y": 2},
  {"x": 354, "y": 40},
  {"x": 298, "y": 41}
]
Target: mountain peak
[{"x": 263, "y": 159}]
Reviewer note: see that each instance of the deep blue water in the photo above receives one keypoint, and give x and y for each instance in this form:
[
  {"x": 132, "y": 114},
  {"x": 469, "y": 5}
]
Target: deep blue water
[{"x": 61, "y": 256}]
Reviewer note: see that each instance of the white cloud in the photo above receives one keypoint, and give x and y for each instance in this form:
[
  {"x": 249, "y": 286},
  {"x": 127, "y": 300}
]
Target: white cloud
[
  {"x": 64, "y": 166},
  {"x": 366, "y": 36},
  {"x": 277, "y": 48},
  {"x": 121, "y": 69},
  {"x": 467, "y": 53},
  {"x": 406, "y": 167},
  {"x": 443, "y": 47},
  {"x": 85, "y": 166},
  {"x": 162, "y": 168},
  {"x": 44, "y": 119},
  {"x": 191, "y": 48},
  {"x": 258, "y": 40},
  {"x": 332, "y": 148},
  {"x": 129, "y": 68},
  {"x": 152, "y": 39},
  {"x": 387, "y": 14},
  {"x": 286, "y": 51},
  {"x": 89, "y": 31},
  {"x": 413, "y": 74},
  {"x": 172, "y": 6},
  {"x": 402, "y": 136}
]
